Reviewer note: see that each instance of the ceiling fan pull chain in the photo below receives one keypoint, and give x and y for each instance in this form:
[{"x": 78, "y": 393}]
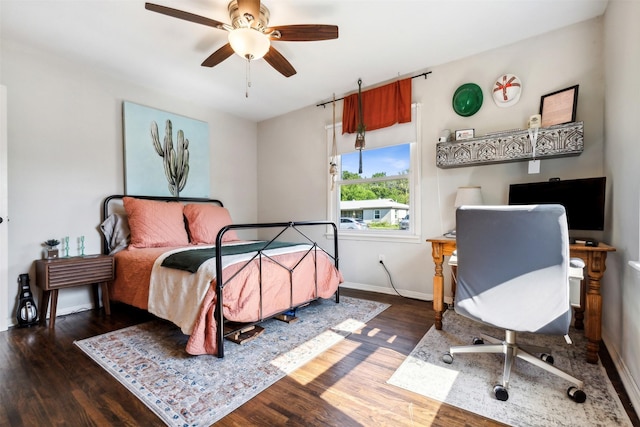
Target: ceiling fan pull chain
[{"x": 248, "y": 78}]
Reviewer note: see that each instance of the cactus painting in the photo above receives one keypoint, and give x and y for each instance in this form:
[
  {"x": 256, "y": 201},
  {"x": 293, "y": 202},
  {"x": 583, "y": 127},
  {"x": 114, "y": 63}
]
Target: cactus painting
[
  {"x": 173, "y": 161},
  {"x": 176, "y": 161}
]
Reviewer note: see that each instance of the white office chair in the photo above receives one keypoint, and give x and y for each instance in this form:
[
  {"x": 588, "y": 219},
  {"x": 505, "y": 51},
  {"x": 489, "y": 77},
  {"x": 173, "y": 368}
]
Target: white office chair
[{"x": 513, "y": 274}]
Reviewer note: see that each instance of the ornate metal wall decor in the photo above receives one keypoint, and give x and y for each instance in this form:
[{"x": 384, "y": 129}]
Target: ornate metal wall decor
[{"x": 512, "y": 146}]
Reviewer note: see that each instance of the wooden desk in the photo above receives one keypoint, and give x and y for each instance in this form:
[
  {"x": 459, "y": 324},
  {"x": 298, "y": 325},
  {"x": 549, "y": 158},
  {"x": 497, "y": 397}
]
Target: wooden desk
[{"x": 591, "y": 299}]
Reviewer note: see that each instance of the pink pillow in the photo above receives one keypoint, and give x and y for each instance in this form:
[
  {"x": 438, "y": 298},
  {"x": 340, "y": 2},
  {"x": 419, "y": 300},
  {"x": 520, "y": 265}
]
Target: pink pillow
[
  {"x": 205, "y": 221},
  {"x": 155, "y": 223}
]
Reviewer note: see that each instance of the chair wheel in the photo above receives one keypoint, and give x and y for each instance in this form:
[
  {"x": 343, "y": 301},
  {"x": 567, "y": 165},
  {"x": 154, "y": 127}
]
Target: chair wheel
[
  {"x": 501, "y": 392},
  {"x": 576, "y": 394},
  {"x": 477, "y": 341},
  {"x": 547, "y": 358},
  {"x": 447, "y": 358}
]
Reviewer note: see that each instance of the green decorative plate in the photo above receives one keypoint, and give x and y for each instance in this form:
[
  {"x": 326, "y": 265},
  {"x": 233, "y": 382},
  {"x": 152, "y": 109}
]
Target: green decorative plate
[{"x": 467, "y": 99}]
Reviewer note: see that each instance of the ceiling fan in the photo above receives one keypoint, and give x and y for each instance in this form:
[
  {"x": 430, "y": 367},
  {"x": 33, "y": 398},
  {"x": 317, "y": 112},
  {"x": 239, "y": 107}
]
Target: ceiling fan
[{"x": 249, "y": 33}]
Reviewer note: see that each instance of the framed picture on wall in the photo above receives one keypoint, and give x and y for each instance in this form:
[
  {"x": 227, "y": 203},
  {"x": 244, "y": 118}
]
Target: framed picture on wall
[
  {"x": 165, "y": 154},
  {"x": 559, "y": 107}
]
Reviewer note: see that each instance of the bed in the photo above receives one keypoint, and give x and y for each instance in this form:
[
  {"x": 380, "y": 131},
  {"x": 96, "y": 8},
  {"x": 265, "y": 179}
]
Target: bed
[{"x": 182, "y": 260}]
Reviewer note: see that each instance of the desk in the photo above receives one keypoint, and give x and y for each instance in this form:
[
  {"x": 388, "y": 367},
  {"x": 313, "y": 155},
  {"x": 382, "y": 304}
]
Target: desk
[{"x": 591, "y": 299}]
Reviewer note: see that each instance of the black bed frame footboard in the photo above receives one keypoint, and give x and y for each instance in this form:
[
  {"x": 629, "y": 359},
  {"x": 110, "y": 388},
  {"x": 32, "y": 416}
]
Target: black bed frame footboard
[
  {"x": 220, "y": 280},
  {"x": 283, "y": 227}
]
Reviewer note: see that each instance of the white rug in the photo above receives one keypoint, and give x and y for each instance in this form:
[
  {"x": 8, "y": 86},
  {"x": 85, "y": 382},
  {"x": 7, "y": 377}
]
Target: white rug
[
  {"x": 536, "y": 398},
  {"x": 149, "y": 359}
]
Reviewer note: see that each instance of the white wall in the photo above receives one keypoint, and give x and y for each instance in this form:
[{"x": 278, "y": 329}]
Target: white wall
[
  {"x": 621, "y": 283},
  {"x": 293, "y": 164},
  {"x": 65, "y": 151}
]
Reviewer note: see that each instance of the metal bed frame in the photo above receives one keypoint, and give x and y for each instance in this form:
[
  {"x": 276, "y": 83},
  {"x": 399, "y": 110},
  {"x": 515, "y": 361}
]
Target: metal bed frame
[{"x": 228, "y": 328}]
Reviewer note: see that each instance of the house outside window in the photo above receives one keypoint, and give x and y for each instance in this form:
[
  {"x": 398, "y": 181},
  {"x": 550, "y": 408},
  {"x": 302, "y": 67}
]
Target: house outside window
[{"x": 388, "y": 189}]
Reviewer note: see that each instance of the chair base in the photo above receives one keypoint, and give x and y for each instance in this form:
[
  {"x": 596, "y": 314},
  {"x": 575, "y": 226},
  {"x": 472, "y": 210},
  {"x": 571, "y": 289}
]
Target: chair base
[{"x": 511, "y": 349}]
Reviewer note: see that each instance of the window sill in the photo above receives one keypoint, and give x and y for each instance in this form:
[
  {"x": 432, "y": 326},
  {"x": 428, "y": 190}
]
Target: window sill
[
  {"x": 377, "y": 237},
  {"x": 635, "y": 265}
]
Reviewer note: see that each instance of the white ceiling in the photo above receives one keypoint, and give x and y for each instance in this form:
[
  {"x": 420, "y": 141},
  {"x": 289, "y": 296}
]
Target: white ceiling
[{"x": 379, "y": 40}]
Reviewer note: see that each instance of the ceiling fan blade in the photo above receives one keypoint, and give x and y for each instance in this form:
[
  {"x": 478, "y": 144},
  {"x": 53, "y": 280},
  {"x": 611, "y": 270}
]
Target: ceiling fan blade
[
  {"x": 304, "y": 32},
  {"x": 183, "y": 15},
  {"x": 250, "y": 7},
  {"x": 279, "y": 62},
  {"x": 218, "y": 56}
]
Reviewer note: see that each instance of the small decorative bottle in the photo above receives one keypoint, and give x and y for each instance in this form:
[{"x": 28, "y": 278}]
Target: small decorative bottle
[{"x": 66, "y": 247}]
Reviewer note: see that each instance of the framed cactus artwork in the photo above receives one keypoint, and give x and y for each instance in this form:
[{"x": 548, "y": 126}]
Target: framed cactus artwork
[{"x": 165, "y": 154}]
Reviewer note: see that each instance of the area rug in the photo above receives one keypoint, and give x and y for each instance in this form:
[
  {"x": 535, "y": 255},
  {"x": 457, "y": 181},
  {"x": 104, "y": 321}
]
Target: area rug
[
  {"x": 183, "y": 390},
  {"x": 536, "y": 398}
]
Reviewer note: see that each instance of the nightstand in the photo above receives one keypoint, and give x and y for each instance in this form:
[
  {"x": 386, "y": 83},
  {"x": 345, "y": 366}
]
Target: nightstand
[{"x": 58, "y": 273}]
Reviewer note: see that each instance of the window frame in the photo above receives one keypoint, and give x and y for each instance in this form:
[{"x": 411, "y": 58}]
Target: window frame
[{"x": 413, "y": 233}]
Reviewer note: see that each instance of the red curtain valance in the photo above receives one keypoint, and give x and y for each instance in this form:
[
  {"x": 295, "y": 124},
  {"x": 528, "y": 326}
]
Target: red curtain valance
[{"x": 381, "y": 107}]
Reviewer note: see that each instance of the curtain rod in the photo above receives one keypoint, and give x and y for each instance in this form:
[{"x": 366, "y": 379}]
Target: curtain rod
[{"x": 323, "y": 104}]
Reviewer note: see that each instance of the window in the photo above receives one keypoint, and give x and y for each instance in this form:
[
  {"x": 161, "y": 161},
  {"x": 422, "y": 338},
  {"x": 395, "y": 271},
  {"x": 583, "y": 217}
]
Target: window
[
  {"x": 382, "y": 189},
  {"x": 384, "y": 198}
]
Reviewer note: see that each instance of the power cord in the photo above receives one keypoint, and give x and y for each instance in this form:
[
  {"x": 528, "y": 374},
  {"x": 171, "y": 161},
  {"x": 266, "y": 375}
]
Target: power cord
[{"x": 390, "y": 280}]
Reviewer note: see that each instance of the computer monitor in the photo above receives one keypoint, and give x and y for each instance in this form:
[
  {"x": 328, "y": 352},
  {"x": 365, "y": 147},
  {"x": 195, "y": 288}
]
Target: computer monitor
[{"x": 583, "y": 199}]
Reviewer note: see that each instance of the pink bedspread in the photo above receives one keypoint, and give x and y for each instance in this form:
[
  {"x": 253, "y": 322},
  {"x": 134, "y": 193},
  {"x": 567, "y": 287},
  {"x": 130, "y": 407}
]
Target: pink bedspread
[{"x": 241, "y": 296}]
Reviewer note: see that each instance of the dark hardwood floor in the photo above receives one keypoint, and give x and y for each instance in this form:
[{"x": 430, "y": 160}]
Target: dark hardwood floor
[{"x": 47, "y": 381}]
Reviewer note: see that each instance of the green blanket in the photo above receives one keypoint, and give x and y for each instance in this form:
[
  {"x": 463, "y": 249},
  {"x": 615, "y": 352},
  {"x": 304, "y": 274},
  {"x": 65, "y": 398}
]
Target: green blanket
[{"x": 191, "y": 259}]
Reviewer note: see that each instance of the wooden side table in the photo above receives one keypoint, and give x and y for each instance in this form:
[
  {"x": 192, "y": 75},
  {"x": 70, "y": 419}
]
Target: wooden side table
[{"x": 58, "y": 273}]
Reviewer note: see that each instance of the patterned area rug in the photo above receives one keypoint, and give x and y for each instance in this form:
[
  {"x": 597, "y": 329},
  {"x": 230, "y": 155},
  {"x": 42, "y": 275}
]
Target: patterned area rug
[
  {"x": 183, "y": 390},
  {"x": 536, "y": 398}
]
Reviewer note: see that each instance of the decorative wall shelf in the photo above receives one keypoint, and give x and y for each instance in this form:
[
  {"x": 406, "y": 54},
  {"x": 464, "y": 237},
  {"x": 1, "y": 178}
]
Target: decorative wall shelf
[{"x": 512, "y": 146}]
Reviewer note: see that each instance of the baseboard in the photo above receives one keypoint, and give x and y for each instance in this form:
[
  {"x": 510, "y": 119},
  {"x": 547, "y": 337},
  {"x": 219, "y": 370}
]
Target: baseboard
[
  {"x": 390, "y": 291},
  {"x": 630, "y": 386}
]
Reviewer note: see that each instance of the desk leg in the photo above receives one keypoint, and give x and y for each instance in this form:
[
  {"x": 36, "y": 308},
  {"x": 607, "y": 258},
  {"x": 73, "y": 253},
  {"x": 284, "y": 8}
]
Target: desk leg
[
  {"x": 593, "y": 303},
  {"x": 438, "y": 283}
]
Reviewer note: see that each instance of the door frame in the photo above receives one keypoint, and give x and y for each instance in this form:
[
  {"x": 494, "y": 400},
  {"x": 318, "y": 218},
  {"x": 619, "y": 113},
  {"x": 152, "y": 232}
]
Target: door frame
[{"x": 4, "y": 226}]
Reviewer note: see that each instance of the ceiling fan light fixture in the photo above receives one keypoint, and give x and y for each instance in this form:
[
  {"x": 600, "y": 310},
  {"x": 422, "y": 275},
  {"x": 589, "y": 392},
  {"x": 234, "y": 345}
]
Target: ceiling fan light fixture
[{"x": 249, "y": 43}]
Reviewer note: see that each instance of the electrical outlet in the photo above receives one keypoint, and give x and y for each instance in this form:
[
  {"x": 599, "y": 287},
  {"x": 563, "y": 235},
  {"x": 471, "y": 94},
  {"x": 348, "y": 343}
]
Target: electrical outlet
[{"x": 381, "y": 259}]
